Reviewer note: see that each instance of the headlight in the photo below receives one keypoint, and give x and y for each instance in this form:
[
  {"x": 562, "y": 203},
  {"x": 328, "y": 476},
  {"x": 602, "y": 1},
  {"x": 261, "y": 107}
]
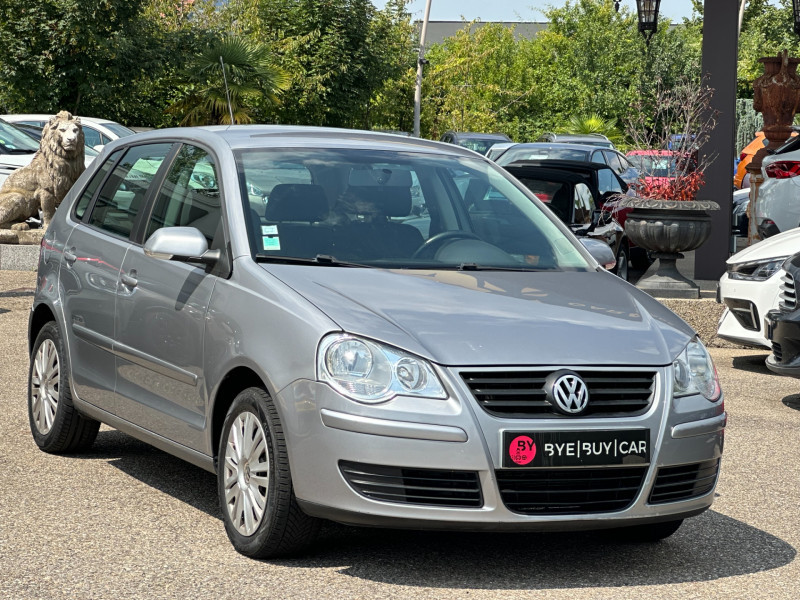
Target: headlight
[
  {"x": 368, "y": 371},
  {"x": 695, "y": 373},
  {"x": 756, "y": 271}
]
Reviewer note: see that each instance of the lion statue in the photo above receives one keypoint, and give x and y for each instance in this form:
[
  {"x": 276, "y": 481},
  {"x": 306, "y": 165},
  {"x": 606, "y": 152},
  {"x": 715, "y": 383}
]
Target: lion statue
[{"x": 46, "y": 180}]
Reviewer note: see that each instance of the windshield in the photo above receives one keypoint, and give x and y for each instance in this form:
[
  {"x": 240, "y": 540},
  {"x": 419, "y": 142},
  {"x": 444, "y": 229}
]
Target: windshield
[
  {"x": 541, "y": 153},
  {"x": 119, "y": 130},
  {"x": 14, "y": 141},
  {"x": 477, "y": 144},
  {"x": 396, "y": 210},
  {"x": 654, "y": 165}
]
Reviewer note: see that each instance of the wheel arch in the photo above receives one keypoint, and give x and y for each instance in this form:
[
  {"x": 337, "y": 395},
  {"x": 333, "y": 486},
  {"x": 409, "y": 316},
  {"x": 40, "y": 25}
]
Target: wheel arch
[
  {"x": 236, "y": 380},
  {"x": 41, "y": 315}
]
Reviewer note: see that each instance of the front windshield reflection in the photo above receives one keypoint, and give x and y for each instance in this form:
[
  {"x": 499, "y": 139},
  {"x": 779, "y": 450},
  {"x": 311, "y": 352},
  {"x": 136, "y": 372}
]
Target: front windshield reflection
[{"x": 396, "y": 210}]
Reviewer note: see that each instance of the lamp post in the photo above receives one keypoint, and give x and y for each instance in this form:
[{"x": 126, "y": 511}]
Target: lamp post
[
  {"x": 648, "y": 17},
  {"x": 796, "y": 11},
  {"x": 420, "y": 64}
]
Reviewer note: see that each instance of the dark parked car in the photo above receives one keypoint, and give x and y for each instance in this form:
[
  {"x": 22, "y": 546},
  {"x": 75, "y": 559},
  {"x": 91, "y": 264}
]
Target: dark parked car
[
  {"x": 783, "y": 324},
  {"x": 575, "y": 199},
  {"x": 610, "y": 187},
  {"x": 591, "y": 139},
  {"x": 505, "y": 154},
  {"x": 479, "y": 142}
]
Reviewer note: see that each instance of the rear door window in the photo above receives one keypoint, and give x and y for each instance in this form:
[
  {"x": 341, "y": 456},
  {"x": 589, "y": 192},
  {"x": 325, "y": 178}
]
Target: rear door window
[{"x": 123, "y": 193}]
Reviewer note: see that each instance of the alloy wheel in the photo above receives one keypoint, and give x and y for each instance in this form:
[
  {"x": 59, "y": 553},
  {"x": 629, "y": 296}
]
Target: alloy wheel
[
  {"x": 246, "y": 475},
  {"x": 45, "y": 378}
]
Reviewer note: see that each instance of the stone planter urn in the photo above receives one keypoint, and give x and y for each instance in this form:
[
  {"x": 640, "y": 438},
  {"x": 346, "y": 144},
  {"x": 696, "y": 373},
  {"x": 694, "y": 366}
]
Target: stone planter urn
[{"x": 666, "y": 229}]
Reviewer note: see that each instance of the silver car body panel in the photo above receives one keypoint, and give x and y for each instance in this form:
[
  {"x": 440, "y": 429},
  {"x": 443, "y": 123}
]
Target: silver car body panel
[{"x": 268, "y": 320}]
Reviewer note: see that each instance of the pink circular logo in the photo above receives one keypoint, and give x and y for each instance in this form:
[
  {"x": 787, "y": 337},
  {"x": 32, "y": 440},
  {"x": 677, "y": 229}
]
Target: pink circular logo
[{"x": 522, "y": 450}]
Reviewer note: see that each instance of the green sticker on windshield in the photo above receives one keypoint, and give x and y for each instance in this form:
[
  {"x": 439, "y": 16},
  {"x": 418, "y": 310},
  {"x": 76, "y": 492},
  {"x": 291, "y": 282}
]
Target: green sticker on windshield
[{"x": 271, "y": 242}]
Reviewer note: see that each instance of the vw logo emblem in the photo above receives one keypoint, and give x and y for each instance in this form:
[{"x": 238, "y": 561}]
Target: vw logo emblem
[{"x": 567, "y": 392}]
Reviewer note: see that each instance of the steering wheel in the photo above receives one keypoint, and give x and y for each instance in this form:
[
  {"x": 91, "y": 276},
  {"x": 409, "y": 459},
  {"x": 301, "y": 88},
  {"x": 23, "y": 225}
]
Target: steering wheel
[{"x": 432, "y": 245}]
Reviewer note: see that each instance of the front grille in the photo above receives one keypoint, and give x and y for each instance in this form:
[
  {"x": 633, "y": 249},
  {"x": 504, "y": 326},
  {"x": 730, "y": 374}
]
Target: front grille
[
  {"x": 432, "y": 487},
  {"x": 684, "y": 482},
  {"x": 788, "y": 297},
  {"x": 777, "y": 352},
  {"x": 521, "y": 395},
  {"x": 745, "y": 312},
  {"x": 569, "y": 491}
]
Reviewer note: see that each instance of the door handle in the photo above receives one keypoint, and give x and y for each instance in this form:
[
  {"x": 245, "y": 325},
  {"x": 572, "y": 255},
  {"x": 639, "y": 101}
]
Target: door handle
[
  {"x": 128, "y": 280},
  {"x": 70, "y": 256}
]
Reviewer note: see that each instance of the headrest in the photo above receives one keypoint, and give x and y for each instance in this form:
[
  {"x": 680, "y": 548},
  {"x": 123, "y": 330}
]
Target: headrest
[
  {"x": 380, "y": 177},
  {"x": 388, "y": 201},
  {"x": 296, "y": 202}
]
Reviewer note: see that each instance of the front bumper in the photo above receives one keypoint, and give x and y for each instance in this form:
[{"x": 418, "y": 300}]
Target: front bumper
[
  {"x": 783, "y": 329},
  {"x": 328, "y": 436},
  {"x": 746, "y": 304}
]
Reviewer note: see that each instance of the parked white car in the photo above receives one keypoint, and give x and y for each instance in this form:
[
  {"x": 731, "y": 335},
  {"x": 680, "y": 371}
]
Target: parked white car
[
  {"x": 778, "y": 205},
  {"x": 750, "y": 288},
  {"x": 97, "y": 132}
]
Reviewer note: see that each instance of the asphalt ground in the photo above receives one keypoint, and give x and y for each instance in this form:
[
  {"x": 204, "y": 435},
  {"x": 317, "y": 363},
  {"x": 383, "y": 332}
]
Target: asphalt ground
[{"x": 128, "y": 521}]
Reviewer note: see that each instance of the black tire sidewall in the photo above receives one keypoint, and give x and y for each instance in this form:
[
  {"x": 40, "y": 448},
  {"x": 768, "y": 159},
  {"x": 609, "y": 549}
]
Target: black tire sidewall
[
  {"x": 622, "y": 253},
  {"x": 253, "y": 400},
  {"x": 44, "y": 441}
]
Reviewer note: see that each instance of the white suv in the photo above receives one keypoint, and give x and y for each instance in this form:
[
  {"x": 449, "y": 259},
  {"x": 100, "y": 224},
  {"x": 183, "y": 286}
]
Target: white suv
[
  {"x": 750, "y": 288},
  {"x": 777, "y": 208}
]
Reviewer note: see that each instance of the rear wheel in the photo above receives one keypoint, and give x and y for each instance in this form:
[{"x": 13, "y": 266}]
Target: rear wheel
[
  {"x": 261, "y": 515},
  {"x": 55, "y": 424}
]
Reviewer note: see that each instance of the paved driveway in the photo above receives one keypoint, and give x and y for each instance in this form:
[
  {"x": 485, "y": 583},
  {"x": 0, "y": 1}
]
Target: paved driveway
[{"x": 128, "y": 521}]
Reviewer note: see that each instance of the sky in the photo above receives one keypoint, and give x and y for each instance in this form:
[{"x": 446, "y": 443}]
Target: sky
[{"x": 517, "y": 10}]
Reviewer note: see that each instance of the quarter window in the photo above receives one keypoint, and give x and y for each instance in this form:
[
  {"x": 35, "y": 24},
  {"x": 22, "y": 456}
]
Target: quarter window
[
  {"x": 189, "y": 196},
  {"x": 122, "y": 195}
]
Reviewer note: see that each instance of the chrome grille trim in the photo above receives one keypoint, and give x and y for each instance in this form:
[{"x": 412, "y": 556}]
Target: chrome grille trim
[{"x": 788, "y": 295}]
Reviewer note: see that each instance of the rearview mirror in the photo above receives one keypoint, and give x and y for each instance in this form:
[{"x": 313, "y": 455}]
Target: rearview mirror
[{"x": 183, "y": 244}]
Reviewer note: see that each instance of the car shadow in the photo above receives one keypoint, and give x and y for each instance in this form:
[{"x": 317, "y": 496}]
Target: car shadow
[
  {"x": 710, "y": 546},
  {"x": 755, "y": 363},
  {"x": 792, "y": 401}
]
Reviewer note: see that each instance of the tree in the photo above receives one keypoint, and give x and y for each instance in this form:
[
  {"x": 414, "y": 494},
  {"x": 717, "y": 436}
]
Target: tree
[
  {"x": 83, "y": 56},
  {"x": 247, "y": 68}
]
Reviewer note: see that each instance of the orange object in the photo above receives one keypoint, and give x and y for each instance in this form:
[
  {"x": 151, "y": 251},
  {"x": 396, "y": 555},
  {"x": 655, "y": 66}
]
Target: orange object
[{"x": 747, "y": 155}]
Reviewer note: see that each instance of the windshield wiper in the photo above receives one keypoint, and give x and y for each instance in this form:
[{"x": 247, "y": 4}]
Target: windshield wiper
[
  {"x": 325, "y": 260},
  {"x": 19, "y": 151},
  {"x": 476, "y": 267}
]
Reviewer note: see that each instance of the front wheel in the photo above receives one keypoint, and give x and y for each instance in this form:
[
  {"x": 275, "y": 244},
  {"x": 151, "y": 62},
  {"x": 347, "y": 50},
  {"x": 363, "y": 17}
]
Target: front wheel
[
  {"x": 621, "y": 269},
  {"x": 261, "y": 515},
  {"x": 55, "y": 424}
]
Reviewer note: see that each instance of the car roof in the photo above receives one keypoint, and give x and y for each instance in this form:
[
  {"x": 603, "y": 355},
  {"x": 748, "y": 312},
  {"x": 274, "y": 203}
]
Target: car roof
[
  {"x": 522, "y": 169},
  {"x": 566, "y": 165},
  {"x": 297, "y": 137},
  {"x": 559, "y": 145},
  {"x": 476, "y": 135}
]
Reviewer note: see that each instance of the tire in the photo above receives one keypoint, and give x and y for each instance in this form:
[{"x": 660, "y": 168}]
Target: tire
[
  {"x": 623, "y": 263},
  {"x": 651, "y": 533},
  {"x": 57, "y": 427},
  {"x": 247, "y": 488}
]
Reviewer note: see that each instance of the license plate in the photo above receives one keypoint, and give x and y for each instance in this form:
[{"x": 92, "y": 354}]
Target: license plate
[{"x": 527, "y": 449}]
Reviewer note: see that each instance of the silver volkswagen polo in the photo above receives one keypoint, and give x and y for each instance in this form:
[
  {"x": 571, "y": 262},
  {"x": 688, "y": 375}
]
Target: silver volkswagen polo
[{"x": 367, "y": 328}]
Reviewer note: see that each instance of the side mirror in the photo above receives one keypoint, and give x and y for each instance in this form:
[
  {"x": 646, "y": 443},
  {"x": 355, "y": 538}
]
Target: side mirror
[
  {"x": 601, "y": 252},
  {"x": 183, "y": 244}
]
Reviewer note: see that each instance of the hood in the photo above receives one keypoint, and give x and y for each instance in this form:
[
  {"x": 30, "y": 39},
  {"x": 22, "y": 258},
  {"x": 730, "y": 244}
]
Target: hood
[
  {"x": 782, "y": 244},
  {"x": 496, "y": 318},
  {"x": 15, "y": 161}
]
